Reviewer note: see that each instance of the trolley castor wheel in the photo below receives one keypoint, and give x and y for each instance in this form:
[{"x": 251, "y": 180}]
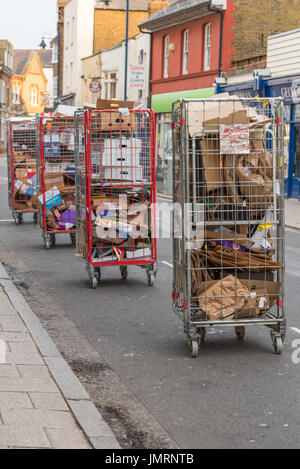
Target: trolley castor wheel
[
  {"x": 73, "y": 238},
  {"x": 277, "y": 341},
  {"x": 35, "y": 218},
  {"x": 95, "y": 277},
  {"x": 18, "y": 217},
  {"x": 193, "y": 347},
  {"x": 150, "y": 278},
  {"x": 202, "y": 332},
  {"x": 124, "y": 271},
  {"x": 240, "y": 332},
  {"x": 52, "y": 240}
]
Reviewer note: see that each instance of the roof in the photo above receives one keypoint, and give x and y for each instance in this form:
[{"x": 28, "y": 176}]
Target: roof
[
  {"x": 178, "y": 12},
  {"x": 134, "y": 5},
  {"x": 21, "y": 57}
]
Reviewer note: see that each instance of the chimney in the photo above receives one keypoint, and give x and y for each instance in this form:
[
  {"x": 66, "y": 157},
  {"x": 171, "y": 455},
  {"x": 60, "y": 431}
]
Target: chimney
[{"x": 157, "y": 5}]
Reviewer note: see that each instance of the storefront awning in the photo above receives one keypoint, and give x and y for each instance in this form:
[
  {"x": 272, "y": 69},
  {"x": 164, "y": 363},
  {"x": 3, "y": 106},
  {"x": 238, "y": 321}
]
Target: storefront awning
[{"x": 163, "y": 102}]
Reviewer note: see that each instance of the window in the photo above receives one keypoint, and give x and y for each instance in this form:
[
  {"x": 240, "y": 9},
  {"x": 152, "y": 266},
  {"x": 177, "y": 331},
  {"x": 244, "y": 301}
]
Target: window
[
  {"x": 55, "y": 87},
  {"x": 67, "y": 35},
  {"x": 185, "y": 52},
  {"x": 34, "y": 96},
  {"x": 110, "y": 85},
  {"x": 2, "y": 92},
  {"x": 16, "y": 94},
  {"x": 207, "y": 46},
  {"x": 166, "y": 56},
  {"x": 73, "y": 30},
  {"x": 71, "y": 75},
  {"x": 66, "y": 77}
]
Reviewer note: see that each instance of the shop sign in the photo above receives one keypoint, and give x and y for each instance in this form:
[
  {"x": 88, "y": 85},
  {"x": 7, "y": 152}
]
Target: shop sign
[
  {"x": 95, "y": 86},
  {"x": 137, "y": 77}
]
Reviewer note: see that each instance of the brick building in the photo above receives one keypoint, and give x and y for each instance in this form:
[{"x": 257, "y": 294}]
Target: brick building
[
  {"x": 6, "y": 50},
  {"x": 29, "y": 82},
  {"x": 88, "y": 27},
  {"x": 196, "y": 41}
]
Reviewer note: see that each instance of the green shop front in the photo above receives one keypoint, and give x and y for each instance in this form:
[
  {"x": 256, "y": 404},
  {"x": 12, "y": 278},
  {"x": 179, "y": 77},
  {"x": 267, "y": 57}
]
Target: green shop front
[{"x": 162, "y": 105}]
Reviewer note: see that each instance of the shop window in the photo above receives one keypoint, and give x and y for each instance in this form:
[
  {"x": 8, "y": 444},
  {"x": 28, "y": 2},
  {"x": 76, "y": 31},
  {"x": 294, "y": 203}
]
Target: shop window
[
  {"x": 207, "y": 46},
  {"x": 185, "y": 52}
]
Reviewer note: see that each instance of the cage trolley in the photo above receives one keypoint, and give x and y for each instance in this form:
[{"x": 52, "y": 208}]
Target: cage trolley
[
  {"x": 228, "y": 217},
  {"x": 56, "y": 178},
  {"x": 115, "y": 191},
  {"x": 21, "y": 168}
]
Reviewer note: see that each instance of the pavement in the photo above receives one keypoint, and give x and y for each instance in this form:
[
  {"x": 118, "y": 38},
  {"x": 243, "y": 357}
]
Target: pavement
[
  {"x": 292, "y": 213},
  {"x": 42, "y": 403}
]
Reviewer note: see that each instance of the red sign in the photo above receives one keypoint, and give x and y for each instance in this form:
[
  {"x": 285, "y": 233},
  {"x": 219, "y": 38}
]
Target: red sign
[{"x": 95, "y": 86}]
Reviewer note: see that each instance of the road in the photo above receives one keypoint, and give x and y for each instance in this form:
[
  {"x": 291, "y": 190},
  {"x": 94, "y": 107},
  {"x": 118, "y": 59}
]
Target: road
[{"x": 234, "y": 395}]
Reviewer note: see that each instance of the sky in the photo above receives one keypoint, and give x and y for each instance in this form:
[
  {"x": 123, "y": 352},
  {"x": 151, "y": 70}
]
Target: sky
[{"x": 25, "y": 22}]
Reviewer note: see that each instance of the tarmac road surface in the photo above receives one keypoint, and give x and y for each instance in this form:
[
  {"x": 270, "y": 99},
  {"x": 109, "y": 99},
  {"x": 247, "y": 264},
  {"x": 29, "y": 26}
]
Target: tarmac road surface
[{"x": 236, "y": 394}]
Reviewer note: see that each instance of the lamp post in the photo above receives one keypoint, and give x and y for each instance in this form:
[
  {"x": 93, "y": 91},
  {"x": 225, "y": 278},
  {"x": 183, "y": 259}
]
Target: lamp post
[{"x": 126, "y": 50}]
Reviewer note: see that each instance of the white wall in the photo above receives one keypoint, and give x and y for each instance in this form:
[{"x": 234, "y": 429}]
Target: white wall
[
  {"x": 78, "y": 43},
  {"x": 113, "y": 60},
  {"x": 283, "y": 54}
]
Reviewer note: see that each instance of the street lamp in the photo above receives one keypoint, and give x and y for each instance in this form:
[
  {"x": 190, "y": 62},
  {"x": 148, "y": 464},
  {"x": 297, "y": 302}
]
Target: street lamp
[{"x": 43, "y": 45}]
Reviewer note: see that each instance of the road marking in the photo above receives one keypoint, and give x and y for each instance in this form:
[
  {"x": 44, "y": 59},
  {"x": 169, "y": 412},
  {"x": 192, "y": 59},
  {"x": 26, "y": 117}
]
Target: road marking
[
  {"x": 6, "y": 220},
  {"x": 295, "y": 329},
  {"x": 294, "y": 230},
  {"x": 167, "y": 263}
]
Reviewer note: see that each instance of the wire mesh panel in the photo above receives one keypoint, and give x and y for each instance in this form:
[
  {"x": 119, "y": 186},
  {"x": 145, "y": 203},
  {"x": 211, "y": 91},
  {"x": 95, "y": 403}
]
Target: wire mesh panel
[
  {"x": 21, "y": 165},
  {"x": 228, "y": 216},
  {"x": 56, "y": 178},
  {"x": 116, "y": 191}
]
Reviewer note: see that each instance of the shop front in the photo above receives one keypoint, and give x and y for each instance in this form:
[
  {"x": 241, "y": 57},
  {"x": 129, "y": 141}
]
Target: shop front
[
  {"x": 289, "y": 89},
  {"x": 162, "y": 105}
]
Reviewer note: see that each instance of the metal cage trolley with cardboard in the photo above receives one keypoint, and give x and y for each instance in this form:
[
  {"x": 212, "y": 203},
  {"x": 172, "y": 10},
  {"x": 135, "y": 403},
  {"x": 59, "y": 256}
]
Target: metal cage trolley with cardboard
[
  {"x": 115, "y": 191},
  {"x": 228, "y": 222},
  {"x": 21, "y": 168},
  {"x": 56, "y": 178}
]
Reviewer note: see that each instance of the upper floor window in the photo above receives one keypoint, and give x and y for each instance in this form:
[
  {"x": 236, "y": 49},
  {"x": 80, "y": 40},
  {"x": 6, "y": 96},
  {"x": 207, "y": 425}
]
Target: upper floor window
[
  {"x": 185, "y": 52},
  {"x": 16, "y": 94},
  {"x": 166, "y": 56},
  {"x": 2, "y": 92},
  {"x": 34, "y": 96},
  {"x": 110, "y": 85},
  {"x": 55, "y": 53},
  {"x": 207, "y": 46}
]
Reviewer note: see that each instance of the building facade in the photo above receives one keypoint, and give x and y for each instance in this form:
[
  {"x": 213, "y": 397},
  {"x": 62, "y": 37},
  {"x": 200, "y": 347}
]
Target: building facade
[
  {"x": 6, "y": 52},
  {"x": 29, "y": 83},
  {"x": 281, "y": 78},
  {"x": 186, "y": 59},
  {"x": 91, "y": 26},
  {"x": 196, "y": 41},
  {"x": 108, "y": 69}
]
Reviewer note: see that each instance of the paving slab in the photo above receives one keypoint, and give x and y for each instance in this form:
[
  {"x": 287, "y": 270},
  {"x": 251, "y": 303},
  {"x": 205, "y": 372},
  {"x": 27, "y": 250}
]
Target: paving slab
[{"x": 42, "y": 402}]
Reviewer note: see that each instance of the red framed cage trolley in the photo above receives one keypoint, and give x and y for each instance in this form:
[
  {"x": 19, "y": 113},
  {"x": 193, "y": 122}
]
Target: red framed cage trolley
[
  {"x": 56, "y": 178},
  {"x": 115, "y": 191},
  {"x": 21, "y": 167}
]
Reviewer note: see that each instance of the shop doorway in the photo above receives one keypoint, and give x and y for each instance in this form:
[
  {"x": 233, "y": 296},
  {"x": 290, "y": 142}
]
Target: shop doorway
[{"x": 294, "y": 176}]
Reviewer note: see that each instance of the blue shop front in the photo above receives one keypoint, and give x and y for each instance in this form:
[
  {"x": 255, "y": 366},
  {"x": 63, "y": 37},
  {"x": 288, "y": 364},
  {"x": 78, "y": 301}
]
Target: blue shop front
[{"x": 289, "y": 89}]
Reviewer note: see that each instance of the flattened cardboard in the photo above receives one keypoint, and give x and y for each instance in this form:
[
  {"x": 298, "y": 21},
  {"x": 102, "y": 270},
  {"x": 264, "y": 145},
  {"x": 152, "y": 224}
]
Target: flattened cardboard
[{"x": 212, "y": 163}]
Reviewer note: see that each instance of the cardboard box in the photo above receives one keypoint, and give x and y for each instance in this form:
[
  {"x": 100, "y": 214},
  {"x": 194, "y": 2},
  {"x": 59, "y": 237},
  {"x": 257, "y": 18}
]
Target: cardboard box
[
  {"x": 210, "y": 113},
  {"x": 232, "y": 297},
  {"x": 113, "y": 104},
  {"x": 54, "y": 180},
  {"x": 211, "y": 159},
  {"x": 116, "y": 121}
]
